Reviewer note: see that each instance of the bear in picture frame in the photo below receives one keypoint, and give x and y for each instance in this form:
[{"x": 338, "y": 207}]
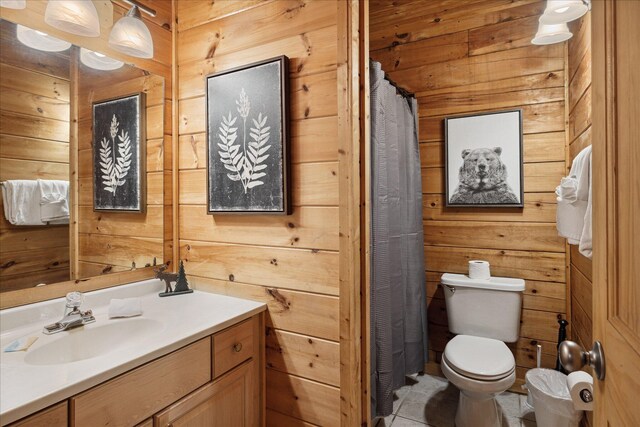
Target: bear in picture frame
[{"x": 483, "y": 160}]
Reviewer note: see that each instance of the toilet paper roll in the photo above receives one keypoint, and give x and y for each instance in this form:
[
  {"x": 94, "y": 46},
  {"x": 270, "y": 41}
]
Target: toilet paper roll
[
  {"x": 577, "y": 382},
  {"x": 479, "y": 269}
]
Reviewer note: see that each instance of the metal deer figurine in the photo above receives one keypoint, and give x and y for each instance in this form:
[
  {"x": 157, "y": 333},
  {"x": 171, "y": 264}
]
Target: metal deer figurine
[{"x": 167, "y": 277}]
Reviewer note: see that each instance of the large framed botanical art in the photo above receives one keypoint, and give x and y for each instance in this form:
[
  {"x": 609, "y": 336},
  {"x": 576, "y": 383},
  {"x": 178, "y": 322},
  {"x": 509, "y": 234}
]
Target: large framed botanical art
[
  {"x": 248, "y": 139},
  {"x": 483, "y": 160},
  {"x": 119, "y": 160}
]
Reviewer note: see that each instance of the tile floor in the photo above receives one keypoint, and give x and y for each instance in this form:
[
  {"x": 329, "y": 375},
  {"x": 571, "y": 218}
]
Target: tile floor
[{"x": 431, "y": 401}]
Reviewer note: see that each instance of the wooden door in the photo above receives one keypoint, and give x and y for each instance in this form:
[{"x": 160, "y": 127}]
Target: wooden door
[
  {"x": 616, "y": 220},
  {"x": 228, "y": 401}
]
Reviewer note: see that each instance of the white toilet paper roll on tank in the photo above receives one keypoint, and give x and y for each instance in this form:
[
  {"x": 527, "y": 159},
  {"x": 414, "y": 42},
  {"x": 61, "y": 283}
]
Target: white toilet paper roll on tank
[
  {"x": 479, "y": 269},
  {"x": 577, "y": 383}
]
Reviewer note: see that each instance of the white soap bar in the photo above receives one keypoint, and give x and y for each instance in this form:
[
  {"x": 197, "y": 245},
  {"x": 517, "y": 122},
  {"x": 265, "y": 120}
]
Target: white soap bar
[{"x": 127, "y": 307}]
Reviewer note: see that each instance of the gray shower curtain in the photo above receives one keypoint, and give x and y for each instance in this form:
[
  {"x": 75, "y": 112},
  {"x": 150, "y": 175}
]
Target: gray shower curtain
[{"x": 398, "y": 300}]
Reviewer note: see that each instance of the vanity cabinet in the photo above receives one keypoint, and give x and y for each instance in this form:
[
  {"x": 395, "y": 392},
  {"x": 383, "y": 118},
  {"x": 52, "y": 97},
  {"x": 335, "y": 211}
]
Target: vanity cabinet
[{"x": 215, "y": 381}]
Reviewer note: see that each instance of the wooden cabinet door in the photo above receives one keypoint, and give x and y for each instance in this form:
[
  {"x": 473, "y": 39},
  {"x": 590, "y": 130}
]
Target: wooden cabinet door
[
  {"x": 616, "y": 208},
  {"x": 226, "y": 402}
]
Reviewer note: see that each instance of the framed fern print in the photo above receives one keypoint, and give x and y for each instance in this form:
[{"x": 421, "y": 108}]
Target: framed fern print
[
  {"x": 248, "y": 139},
  {"x": 119, "y": 154}
]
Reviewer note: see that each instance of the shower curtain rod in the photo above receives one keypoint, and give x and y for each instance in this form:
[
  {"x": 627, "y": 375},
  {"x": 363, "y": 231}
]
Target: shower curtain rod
[{"x": 402, "y": 91}]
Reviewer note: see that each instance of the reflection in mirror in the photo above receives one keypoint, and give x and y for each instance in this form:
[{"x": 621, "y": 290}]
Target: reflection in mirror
[{"x": 42, "y": 92}]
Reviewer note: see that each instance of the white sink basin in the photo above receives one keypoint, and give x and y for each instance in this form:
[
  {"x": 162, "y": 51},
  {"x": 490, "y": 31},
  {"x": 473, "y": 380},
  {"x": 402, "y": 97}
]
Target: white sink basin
[{"x": 93, "y": 340}]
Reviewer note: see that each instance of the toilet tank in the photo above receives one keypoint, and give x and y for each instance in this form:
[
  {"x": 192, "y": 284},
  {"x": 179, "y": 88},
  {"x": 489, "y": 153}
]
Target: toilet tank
[{"x": 483, "y": 308}]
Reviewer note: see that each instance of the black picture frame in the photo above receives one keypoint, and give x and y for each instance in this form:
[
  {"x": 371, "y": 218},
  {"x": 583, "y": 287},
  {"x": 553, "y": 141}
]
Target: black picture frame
[
  {"x": 248, "y": 139},
  {"x": 493, "y": 139},
  {"x": 119, "y": 154}
]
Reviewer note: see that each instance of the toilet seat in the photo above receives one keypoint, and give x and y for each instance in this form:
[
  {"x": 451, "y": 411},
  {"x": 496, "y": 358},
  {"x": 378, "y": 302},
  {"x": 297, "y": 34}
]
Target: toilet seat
[{"x": 479, "y": 358}]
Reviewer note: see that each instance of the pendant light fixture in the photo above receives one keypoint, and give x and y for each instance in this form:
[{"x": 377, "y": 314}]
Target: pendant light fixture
[
  {"x": 78, "y": 17},
  {"x": 130, "y": 35},
  {"x": 552, "y": 26},
  {"x": 550, "y": 34},
  {"x": 39, "y": 40},
  {"x": 13, "y": 4},
  {"x": 563, "y": 11},
  {"x": 99, "y": 61}
]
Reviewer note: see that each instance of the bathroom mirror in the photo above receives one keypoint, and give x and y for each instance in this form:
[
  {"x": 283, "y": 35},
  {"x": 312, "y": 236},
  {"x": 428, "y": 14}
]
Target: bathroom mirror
[{"x": 49, "y": 88}]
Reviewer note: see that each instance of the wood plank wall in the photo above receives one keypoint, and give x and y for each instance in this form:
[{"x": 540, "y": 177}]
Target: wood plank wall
[
  {"x": 466, "y": 57},
  {"x": 579, "y": 135},
  {"x": 111, "y": 241},
  {"x": 291, "y": 263},
  {"x": 34, "y": 143}
]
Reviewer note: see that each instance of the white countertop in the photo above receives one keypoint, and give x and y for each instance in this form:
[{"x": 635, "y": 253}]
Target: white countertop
[{"x": 25, "y": 388}]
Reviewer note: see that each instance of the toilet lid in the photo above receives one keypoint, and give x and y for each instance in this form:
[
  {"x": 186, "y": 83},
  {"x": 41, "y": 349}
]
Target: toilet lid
[{"x": 479, "y": 358}]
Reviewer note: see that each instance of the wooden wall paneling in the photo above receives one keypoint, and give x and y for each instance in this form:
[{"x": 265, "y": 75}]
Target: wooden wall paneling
[
  {"x": 474, "y": 57},
  {"x": 365, "y": 212},
  {"x": 349, "y": 186},
  {"x": 292, "y": 263},
  {"x": 305, "y": 313},
  {"x": 579, "y": 113},
  {"x": 312, "y": 358},
  {"x": 313, "y": 401},
  {"x": 291, "y": 268}
]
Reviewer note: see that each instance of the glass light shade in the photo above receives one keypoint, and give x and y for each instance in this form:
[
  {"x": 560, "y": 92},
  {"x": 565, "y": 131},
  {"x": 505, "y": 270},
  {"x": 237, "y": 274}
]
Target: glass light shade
[
  {"x": 131, "y": 36},
  {"x": 559, "y": 11},
  {"x": 550, "y": 34},
  {"x": 39, "y": 40},
  {"x": 78, "y": 17},
  {"x": 98, "y": 61},
  {"x": 13, "y": 4}
]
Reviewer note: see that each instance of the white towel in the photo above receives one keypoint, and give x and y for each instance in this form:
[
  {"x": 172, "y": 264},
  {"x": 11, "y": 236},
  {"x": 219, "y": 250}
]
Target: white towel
[
  {"x": 586, "y": 240},
  {"x": 127, "y": 307},
  {"x": 54, "y": 201},
  {"x": 573, "y": 217},
  {"x": 21, "y": 200}
]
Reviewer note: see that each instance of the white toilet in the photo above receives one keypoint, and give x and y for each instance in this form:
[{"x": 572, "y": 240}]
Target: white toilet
[{"x": 484, "y": 314}]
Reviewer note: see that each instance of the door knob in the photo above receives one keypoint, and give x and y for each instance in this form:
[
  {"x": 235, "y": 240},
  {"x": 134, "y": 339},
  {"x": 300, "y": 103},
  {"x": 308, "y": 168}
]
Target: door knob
[{"x": 573, "y": 357}]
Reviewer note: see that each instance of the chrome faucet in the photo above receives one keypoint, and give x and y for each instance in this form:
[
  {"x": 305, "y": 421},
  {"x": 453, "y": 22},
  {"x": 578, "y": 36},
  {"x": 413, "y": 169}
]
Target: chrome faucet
[{"x": 72, "y": 316}]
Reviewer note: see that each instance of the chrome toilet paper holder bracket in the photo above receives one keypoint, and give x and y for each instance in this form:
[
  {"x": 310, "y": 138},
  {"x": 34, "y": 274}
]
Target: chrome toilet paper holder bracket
[{"x": 573, "y": 358}]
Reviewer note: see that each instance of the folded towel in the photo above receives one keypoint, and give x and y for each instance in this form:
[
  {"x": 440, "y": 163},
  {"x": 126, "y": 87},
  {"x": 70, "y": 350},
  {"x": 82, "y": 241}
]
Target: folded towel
[
  {"x": 586, "y": 239},
  {"x": 567, "y": 191},
  {"x": 127, "y": 307},
  {"x": 21, "y": 200},
  {"x": 54, "y": 201}
]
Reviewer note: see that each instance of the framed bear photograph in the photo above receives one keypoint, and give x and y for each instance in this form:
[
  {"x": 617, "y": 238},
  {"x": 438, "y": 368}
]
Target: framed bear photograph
[
  {"x": 483, "y": 160},
  {"x": 248, "y": 139}
]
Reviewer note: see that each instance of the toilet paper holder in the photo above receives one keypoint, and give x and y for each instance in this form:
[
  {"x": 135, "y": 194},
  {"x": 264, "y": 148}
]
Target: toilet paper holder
[
  {"x": 573, "y": 357},
  {"x": 586, "y": 396}
]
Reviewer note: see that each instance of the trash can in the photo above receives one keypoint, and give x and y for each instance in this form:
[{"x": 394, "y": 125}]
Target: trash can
[{"x": 549, "y": 396}]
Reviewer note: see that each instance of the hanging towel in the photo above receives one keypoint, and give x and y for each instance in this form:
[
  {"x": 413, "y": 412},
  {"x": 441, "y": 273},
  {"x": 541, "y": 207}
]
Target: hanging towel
[
  {"x": 586, "y": 240},
  {"x": 573, "y": 217},
  {"x": 21, "y": 200},
  {"x": 54, "y": 201}
]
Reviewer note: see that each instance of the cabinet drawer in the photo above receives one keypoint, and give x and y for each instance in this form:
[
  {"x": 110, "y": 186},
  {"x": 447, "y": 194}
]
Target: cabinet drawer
[
  {"x": 233, "y": 346},
  {"x": 54, "y": 416},
  {"x": 135, "y": 396}
]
